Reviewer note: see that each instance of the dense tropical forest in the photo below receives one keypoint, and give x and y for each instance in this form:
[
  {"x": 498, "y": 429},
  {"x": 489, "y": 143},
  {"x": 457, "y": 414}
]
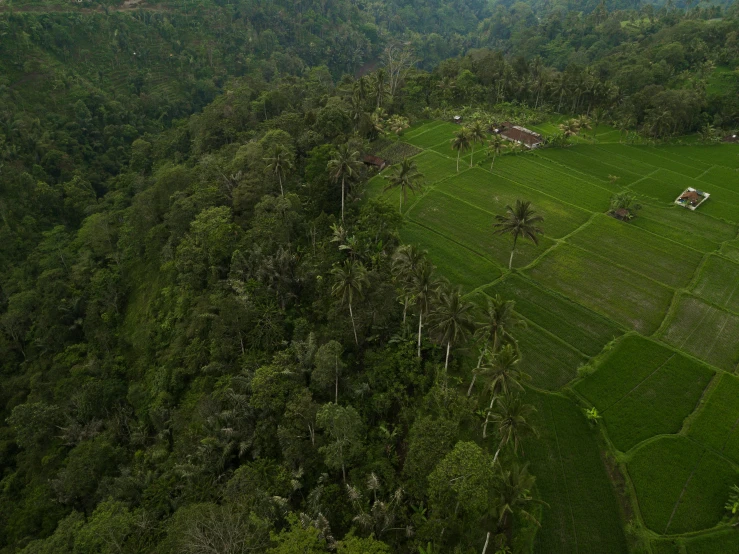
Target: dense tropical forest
[{"x": 211, "y": 339}]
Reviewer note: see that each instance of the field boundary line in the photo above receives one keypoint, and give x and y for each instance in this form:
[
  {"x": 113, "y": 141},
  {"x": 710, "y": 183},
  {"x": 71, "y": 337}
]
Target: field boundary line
[
  {"x": 439, "y": 124},
  {"x": 641, "y": 383},
  {"x": 682, "y": 492},
  {"x": 595, "y": 159},
  {"x": 564, "y": 475},
  {"x": 662, "y": 158},
  {"x": 657, "y": 152},
  {"x": 696, "y": 327},
  {"x": 706, "y": 171},
  {"x": 715, "y": 339},
  {"x": 569, "y": 170},
  {"x": 647, "y": 176},
  {"x": 699, "y": 406},
  {"x": 431, "y": 187}
]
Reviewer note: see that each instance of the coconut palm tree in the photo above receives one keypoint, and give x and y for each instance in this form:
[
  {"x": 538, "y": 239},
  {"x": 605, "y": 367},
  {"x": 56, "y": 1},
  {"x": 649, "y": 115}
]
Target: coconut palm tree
[
  {"x": 451, "y": 321},
  {"x": 583, "y": 123},
  {"x": 344, "y": 164},
  {"x": 424, "y": 286},
  {"x": 405, "y": 262},
  {"x": 494, "y": 331},
  {"x": 350, "y": 279},
  {"x": 495, "y": 147},
  {"x": 279, "y": 163},
  {"x": 460, "y": 143},
  {"x": 405, "y": 176},
  {"x": 509, "y": 417},
  {"x": 476, "y": 134},
  {"x": 569, "y": 128},
  {"x": 514, "y": 498},
  {"x": 519, "y": 221},
  {"x": 503, "y": 374}
]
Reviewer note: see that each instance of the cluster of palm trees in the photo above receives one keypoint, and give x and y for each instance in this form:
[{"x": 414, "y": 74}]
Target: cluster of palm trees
[{"x": 453, "y": 321}]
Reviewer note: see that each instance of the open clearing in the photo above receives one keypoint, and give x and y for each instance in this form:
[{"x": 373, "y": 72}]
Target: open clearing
[{"x": 669, "y": 279}]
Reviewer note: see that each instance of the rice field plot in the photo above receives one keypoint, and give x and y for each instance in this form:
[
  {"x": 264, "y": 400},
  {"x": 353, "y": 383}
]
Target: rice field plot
[
  {"x": 554, "y": 182},
  {"x": 633, "y": 360},
  {"x": 717, "y": 423},
  {"x": 659, "y": 471},
  {"x": 680, "y": 486},
  {"x": 649, "y": 155},
  {"x": 731, "y": 251},
  {"x": 693, "y": 229},
  {"x": 716, "y": 154},
  {"x": 420, "y": 127},
  {"x": 473, "y": 228},
  {"x": 613, "y": 155},
  {"x": 577, "y": 326},
  {"x": 722, "y": 176},
  {"x": 723, "y": 202},
  {"x": 706, "y": 331},
  {"x": 661, "y": 259},
  {"x": 627, "y": 297},
  {"x": 493, "y": 192},
  {"x": 599, "y": 169},
  {"x": 667, "y": 157},
  {"x": 659, "y": 190},
  {"x": 582, "y": 513},
  {"x": 702, "y": 503},
  {"x": 455, "y": 262},
  {"x": 549, "y": 361},
  {"x": 718, "y": 283},
  {"x": 659, "y": 404},
  {"x": 433, "y": 135},
  {"x": 721, "y": 542}
]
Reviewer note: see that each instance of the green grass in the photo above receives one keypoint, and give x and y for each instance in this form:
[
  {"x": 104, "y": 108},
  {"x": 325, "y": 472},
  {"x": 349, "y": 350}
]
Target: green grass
[
  {"x": 492, "y": 193},
  {"x": 581, "y": 328},
  {"x": 472, "y": 227},
  {"x": 702, "y": 504},
  {"x": 731, "y": 251},
  {"x": 693, "y": 229},
  {"x": 623, "y": 295},
  {"x": 549, "y": 179},
  {"x": 432, "y": 135},
  {"x": 726, "y": 155},
  {"x": 705, "y": 331},
  {"x": 659, "y": 471},
  {"x": 717, "y": 422},
  {"x": 550, "y": 362},
  {"x": 718, "y": 283},
  {"x": 583, "y": 513},
  {"x": 659, "y": 404},
  {"x": 459, "y": 264},
  {"x": 649, "y": 155},
  {"x": 586, "y": 167},
  {"x": 722, "y": 542},
  {"x": 723, "y": 177},
  {"x": 648, "y": 254},
  {"x": 633, "y": 360},
  {"x": 723, "y": 203}
]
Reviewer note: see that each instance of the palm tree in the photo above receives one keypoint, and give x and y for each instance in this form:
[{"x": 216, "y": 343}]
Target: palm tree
[
  {"x": 405, "y": 176},
  {"x": 279, "y": 163},
  {"x": 510, "y": 419},
  {"x": 495, "y": 330},
  {"x": 514, "y": 497},
  {"x": 495, "y": 147},
  {"x": 343, "y": 165},
  {"x": 405, "y": 262},
  {"x": 503, "y": 374},
  {"x": 518, "y": 222},
  {"x": 476, "y": 134},
  {"x": 460, "y": 143},
  {"x": 451, "y": 321},
  {"x": 424, "y": 286},
  {"x": 380, "y": 87},
  {"x": 583, "y": 122},
  {"x": 349, "y": 281},
  {"x": 569, "y": 128}
]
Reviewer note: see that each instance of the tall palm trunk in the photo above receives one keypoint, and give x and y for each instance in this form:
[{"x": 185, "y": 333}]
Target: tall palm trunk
[
  {"x": 342, "y": 199},
  {"x": 354, "y": 327},
  {"x": 474, "y": 374},
  {"x": 487, "y": 418},
  {"x": 446, "y": 361},
  {"x": 458, "y": 153},
  {"x": 282, "y": 192},
  {"x": 510, "y": 261},
  {"x": 420, "y": 325},
  {"x": 472, "y": 155}
]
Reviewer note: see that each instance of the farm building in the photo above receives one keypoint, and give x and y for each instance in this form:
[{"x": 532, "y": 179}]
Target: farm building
[
  {"x": 521, "y": 135},
  {"x": 692, "y": 198},
  {"x": 374, "y": 161}
]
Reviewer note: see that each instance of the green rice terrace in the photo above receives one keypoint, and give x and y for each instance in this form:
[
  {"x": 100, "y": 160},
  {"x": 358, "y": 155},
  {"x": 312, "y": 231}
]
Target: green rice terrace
[{"x": 638, "y": 319}]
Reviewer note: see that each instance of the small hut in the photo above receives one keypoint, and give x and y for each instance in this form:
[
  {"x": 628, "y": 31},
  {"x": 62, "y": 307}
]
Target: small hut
[
  {"x": 521, "y": 135},
  {"x": 692, "y": 198},
  {"x": 374, "y": 161},
  {"x": 734, "y": 137},
  {"x": 457, "y": 119}
]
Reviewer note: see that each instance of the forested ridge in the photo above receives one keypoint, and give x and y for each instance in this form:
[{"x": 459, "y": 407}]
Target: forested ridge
[{"x": 210, "y": 339}]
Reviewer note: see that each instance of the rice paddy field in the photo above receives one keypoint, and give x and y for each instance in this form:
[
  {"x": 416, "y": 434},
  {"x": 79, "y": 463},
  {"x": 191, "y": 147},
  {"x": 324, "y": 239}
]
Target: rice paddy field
[{"x": 638, "y": 319}]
